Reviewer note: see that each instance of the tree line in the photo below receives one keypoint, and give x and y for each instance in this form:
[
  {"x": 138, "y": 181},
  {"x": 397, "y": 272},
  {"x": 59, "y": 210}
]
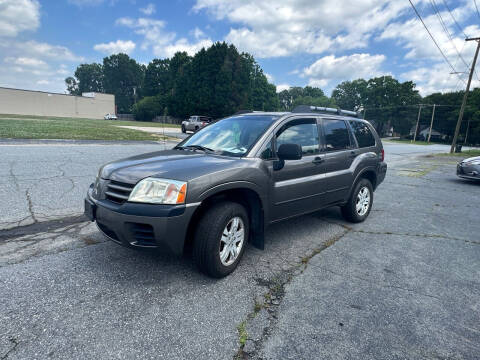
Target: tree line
[{"x": 220, "y": 80}]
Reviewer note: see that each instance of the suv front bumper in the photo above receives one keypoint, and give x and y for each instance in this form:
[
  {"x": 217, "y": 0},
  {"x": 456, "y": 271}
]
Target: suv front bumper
[{"x": 141, "y": 225}]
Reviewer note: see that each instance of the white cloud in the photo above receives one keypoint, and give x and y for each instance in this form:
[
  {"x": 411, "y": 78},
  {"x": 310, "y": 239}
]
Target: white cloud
[
  {"x": 437, "y": 79},
  {"x": 163, "y": 43},
  {"x": 153, "y": 32},
  {"x": 25, "y": 61},
  {"x": 282, "y": 87},
  {"x": 271, "y": 29},
  {"x": 197, "y": 33},
  {"x": 43, "y": 82},
  {"x": 350, "y": 67},
  {"x": 184, "y": 45},
  {"x": 37, "y": 49},
  {"x": 412, "y": 36},
  {"x": 17, "y": 16},
  {"x": 270, "y": 77},
  {"x": 148, "y": 10},
  {"x": 115, "y": 47}
]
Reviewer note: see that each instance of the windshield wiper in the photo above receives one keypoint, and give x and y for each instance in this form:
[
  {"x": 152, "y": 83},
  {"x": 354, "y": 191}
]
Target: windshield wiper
[{"x": 196, "y": 147}]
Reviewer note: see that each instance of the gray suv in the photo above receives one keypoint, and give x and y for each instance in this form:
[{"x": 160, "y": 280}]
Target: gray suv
[{"x": 221, "y": 187}]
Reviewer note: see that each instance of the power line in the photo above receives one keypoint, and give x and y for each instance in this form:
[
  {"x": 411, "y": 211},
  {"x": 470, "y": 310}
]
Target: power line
[
  {"x": 476, "y": 7},
  {"x": 431, "y": 36},
  {"x": 454, "y": 20},
  {"x": 445, "y": 29}
]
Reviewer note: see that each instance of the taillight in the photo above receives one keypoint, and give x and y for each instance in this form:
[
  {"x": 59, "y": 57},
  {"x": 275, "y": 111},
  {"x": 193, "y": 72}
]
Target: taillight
[
  {"x": 203, "y": 123},
  {"x": 383, "y": 155}
]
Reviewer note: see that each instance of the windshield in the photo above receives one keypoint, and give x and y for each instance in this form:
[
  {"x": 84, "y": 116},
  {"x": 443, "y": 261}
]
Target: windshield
[{"x": 232, "y": 136}]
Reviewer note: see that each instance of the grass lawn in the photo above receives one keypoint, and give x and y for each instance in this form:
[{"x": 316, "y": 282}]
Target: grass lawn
[
  {"x": 406, "y": 141},
  {"x": 40, "y": 127},
  {"x": 464, "y": 153}
]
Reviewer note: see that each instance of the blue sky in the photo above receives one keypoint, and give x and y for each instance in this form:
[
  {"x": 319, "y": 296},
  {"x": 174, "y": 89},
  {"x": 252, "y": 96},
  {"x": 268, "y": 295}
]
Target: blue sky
[{"x": 297, "y": 42}]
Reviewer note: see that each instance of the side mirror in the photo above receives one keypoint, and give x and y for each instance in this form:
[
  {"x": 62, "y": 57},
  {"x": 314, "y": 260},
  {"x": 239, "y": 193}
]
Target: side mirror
[{"x": 289, "y": 152}]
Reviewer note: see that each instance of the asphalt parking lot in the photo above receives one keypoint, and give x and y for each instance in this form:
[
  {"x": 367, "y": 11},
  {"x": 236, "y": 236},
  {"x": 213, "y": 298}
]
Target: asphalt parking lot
[{"x": 404, "y": 284}]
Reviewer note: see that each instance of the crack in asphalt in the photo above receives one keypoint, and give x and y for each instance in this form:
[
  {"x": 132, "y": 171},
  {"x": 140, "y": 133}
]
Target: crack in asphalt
[
  {"x": 41, "y": 227},
  {"x": 376, "y": 283},
  {"x": 273, "y": 298},
  {"x": 30, "y": 205},
  {"x": 15, "y": 343}
]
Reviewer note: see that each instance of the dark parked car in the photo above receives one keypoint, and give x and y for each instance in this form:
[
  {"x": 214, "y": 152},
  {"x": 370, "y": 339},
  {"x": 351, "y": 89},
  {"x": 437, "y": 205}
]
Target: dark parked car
[
  {"x": 195, "y": 123},
  {"x": 469, "y": 168},
  {"x": 221, "y": 187}
]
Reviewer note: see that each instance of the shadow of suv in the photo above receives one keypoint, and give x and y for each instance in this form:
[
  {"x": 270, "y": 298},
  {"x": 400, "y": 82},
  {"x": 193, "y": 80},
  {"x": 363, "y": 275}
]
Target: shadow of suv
[{"x": 221, "y": 187}]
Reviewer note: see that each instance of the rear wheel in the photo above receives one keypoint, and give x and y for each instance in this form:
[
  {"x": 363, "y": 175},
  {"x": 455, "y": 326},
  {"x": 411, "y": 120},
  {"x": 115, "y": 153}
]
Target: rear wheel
[
  {"x": 196, "y": 128},
  {"x": 220, "y": 239},
  {"x": 183, "y": 129},
  {"x": 360, "y": 203}
]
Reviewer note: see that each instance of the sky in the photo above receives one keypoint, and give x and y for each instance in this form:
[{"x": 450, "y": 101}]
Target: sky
[{"x": 297, "y": 42}]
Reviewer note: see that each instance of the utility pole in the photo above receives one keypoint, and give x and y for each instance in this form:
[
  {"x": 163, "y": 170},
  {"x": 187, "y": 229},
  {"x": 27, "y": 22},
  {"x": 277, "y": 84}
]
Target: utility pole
[
  {"x": 462, "y": 108},
  {"x": 431, "y": 124},
  {"x": 418, "y": 120},
  {"x": 466, "y": 134}
]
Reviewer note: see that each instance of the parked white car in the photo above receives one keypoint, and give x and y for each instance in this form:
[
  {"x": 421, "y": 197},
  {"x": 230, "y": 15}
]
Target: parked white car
[{"x": 110, "y": 117}]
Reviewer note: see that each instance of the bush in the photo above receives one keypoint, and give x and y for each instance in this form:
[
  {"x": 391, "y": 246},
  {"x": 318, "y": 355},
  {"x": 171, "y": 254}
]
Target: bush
[{"x": 149, "y": 107}]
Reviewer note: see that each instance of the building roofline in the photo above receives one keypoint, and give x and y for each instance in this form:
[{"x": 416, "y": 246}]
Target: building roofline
[{"x": 52, "y": 93}]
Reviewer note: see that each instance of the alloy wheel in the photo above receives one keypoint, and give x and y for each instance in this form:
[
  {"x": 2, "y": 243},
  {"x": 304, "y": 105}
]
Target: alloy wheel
[
  {"x": 363, "y": 201},
  {"x": 232, "y": 241}
]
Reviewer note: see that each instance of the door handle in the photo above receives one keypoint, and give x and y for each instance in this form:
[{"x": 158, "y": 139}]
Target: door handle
[
  {"x": 318, "y": 160},
  {"x": 353, "y": 154}
]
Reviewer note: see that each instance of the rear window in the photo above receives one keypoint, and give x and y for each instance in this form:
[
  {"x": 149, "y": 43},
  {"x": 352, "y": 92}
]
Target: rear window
[{"x": 363, "y": 134}]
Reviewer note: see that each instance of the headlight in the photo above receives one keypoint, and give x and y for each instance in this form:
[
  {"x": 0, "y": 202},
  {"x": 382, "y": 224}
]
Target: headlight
[{"x": 159, "y": 191}]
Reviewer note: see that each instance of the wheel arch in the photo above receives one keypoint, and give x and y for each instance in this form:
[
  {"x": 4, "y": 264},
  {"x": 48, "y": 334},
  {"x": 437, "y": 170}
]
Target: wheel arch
[
  {"x": 368, "y": 173},
  {"x": 244, "y": 193}
]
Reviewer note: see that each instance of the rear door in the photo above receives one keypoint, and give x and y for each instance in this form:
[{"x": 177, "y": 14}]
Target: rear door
[
  {"x": 339, "y": 151},
  {"x": 297, "y": 184}
]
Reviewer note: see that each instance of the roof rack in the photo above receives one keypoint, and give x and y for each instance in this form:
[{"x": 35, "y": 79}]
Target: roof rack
[
  {"x": 243, "y": 112},
  {"x": 321, "y": 109}
]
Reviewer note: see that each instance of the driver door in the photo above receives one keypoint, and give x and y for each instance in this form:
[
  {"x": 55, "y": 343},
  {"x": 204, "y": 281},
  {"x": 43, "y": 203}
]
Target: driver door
[{"x": 297, "y": 184}]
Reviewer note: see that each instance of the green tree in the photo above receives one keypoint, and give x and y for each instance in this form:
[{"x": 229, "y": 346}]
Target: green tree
[
  {"x": 289, "y": 99},
  {"x": 157, "y": 78},
  {"x": 72, "y": 85},
  {"x": 351, "y": 95},
  {"x": 149, "y": 107},
  {"x": 123, "y": 77},
  {"x": 88, "y": 78}
]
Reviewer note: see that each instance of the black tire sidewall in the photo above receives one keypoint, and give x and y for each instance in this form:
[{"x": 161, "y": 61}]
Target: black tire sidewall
[
  {"x": 351, "y": 210},
  {"x": 217, "y": 220}
]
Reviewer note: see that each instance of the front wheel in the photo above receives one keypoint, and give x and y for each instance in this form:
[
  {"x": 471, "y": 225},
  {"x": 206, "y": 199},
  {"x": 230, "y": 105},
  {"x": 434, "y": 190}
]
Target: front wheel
[
  {"x": 183, "y": 129},
  {"x": 220, "y": 239},
  {"x": 360, "y": 203}
]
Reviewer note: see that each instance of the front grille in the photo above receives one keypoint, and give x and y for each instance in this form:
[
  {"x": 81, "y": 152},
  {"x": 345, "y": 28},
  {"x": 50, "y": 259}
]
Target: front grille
[
  {"x": 142, "y": 233},
  {"x": 118, "y": 192}
]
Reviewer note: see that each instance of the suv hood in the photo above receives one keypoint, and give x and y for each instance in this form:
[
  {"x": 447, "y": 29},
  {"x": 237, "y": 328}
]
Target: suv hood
[{"x": 181, "y": 165}]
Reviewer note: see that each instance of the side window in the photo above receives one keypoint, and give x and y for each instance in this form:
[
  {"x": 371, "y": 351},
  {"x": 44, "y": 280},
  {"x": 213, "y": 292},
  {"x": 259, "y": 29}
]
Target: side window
[
  {"x": 336, "y": 135},
  {"x": 303, "y": 132},
  {"x": 363, "y": 134}
]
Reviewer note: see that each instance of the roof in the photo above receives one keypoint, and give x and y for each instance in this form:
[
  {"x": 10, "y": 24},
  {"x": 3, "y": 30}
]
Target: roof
[{"x": 306, "y": 114}]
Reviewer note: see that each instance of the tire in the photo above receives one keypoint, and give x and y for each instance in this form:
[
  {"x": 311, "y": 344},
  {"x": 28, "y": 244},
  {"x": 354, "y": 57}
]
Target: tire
[
  {"x": 349, "y": 210},
  {"x": 208, "y": 246},
  {"x": 196, "y": 128},
  {"x": 183, "y": 129}
]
